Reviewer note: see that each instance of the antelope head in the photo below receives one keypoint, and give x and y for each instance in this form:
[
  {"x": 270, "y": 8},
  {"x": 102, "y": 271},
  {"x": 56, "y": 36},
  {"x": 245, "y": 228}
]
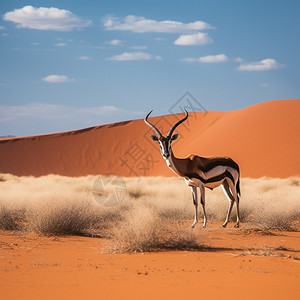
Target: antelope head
[{"x": 165, "y": 142}]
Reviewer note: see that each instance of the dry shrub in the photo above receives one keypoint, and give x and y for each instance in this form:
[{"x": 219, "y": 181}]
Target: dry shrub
[
  {"x": 168, "y": 197},
  {"x": 144, "y": 231},
  {"x": 61, "y": 218},
  {"x": 11, "y": 219},
  {"x": 135, "y": 192},
  {"x": 271, "y": 203}
]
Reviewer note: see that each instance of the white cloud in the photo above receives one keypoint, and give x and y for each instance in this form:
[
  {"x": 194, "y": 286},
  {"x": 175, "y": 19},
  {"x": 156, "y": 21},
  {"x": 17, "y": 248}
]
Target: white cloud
[
  {"x": 61, "y": 45},
  {"x": 44, "y": 18},
  {"x": 189, "y": 59},
  {"x": 114, "y": 42},
  {"x": 138, "y": 47},
  {"x": 134, "y": 56},
  {"x": 53, "y": 111},
  {"x": 23, "y": 119},
  {"x": 208, "y": 59},
  {"x": 213, "y": 58},
  {"x": 161, "y": 39},
  {"x": 58, "y": 79},
  {"x": 238, "y": 60},
  {"x": 84, "y": 57},
  {"x": 141, "y": 24},
  {"x": 2, "y": 28},
  {"x": 31, "y": 110},
  {"x": 263, "y": 65},
  {"x": 100, "y": 110},
  {"x": 197, "y": 39}
]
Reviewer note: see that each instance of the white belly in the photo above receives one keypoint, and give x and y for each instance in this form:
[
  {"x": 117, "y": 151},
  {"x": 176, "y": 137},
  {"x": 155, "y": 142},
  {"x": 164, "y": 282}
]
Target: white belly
[{"x": 213, "y": 185}]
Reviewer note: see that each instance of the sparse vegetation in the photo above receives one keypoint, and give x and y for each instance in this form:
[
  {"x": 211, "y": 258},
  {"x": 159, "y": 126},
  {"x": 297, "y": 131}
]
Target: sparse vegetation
[
  {"x": 10, "y": 219},
  {"x": 274, "y": 252},
  {"x": 143, "y": 231},
  {"x": 61, "y": 219},
  {"x": 150, "y": 215}
]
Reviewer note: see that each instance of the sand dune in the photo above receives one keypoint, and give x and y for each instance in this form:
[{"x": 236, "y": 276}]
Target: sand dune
[{"x": 263, "y": 139}]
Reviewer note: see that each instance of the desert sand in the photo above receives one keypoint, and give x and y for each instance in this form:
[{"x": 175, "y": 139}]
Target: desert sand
[
  {"x": 263, "y": 139},
  {"x": 257, "y": 261},
  {"x": 38, "y": 267}
]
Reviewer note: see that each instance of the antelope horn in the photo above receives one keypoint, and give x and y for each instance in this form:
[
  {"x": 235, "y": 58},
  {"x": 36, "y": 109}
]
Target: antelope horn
[
  {"x": 151, "y": 125},
  {"x": 178, "y": 123}
]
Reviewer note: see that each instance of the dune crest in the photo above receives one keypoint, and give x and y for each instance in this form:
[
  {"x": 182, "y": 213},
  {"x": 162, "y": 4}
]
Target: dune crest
[{"x": 263, "y": 139}]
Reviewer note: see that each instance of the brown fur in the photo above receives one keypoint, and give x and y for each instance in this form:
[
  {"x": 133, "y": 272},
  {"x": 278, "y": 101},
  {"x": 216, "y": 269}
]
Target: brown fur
[{"x": 194, "y": 163}]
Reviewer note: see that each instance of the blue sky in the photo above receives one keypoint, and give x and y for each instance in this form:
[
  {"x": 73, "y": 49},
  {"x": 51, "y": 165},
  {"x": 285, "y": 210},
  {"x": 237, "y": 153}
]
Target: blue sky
[{"x": 73, "y": 64}]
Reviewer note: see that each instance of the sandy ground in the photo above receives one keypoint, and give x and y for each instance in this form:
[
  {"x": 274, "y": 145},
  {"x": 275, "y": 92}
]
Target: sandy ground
[
  {"x": 263, "y": 139},
  {"x": 236, "y": 264}
]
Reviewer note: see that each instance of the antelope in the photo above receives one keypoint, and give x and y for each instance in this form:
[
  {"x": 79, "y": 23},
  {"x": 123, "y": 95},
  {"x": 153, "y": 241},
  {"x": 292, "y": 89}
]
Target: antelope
[{"x": 201, "y": 172}]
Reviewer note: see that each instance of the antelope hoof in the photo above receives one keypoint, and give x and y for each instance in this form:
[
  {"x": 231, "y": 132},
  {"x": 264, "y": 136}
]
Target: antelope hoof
[
  {"x": 194, "y": 224},
  {"x": 224, "y": 225},
  {"x": 204, "y": 226},
  {"x": 237, "y": 225}
]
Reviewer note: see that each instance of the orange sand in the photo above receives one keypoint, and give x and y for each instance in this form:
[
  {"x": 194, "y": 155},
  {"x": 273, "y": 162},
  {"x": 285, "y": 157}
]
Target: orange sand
[
  {"x": 263, "y": 139},
  {"x": 36, "y": 267}
]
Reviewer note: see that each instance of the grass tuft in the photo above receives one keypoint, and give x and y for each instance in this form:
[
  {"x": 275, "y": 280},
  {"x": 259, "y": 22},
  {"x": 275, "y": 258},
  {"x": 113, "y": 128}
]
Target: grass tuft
[
  {"x": 144, "y": 231},
  {"x": 11, "y": 218}
]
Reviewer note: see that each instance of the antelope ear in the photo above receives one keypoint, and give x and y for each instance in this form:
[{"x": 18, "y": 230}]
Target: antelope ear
[
  {"x": 174, "y": 137},
  {"x": 154, "y": 138}
]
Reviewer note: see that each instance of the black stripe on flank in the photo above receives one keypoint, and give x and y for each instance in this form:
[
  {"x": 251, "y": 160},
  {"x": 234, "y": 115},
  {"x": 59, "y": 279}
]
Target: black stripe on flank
[
  {"x": 195, "y": 175},
  {"x": 220, "y": 162},
  {"x": 220, "y": 177},
  {"x": 226, "y": 174}
]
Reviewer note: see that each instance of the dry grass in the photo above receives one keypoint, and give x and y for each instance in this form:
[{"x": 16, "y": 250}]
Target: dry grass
[
  {"x": 273, "y": 252},
  {"x": 10, "y": 219},
  {"x": 144, "y": 231},
  {"x": 61, "y": 218},
  {"x": 149, "y": 216}
]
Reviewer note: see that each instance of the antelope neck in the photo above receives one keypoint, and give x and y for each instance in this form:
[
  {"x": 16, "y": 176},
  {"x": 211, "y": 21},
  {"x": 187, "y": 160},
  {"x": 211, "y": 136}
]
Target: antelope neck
[{"x": 172, "y": 163}]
